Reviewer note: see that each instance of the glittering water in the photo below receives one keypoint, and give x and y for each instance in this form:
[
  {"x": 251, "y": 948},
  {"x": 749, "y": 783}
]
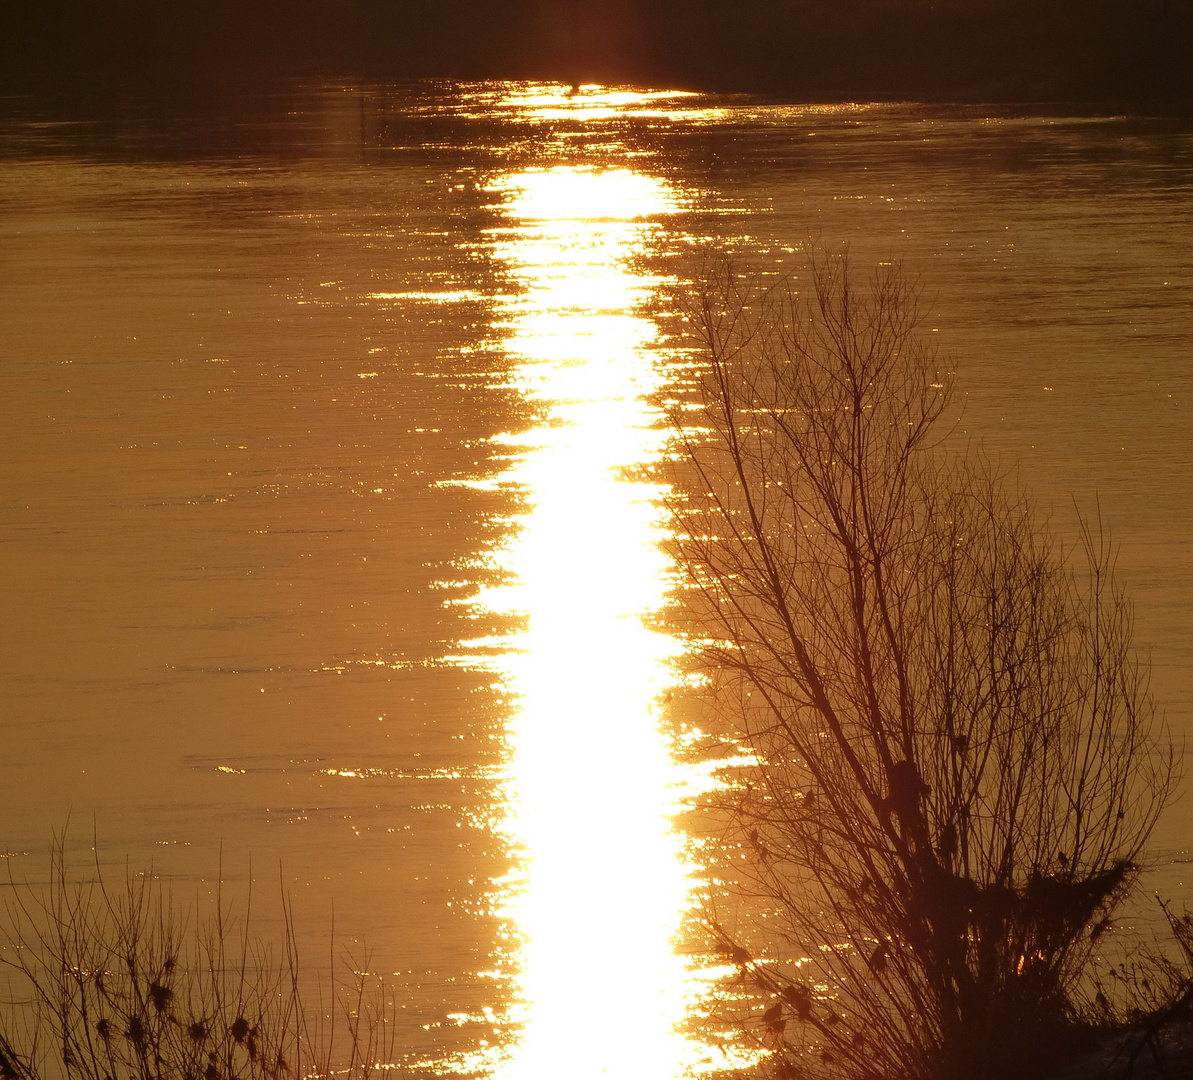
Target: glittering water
[{"x": 322, "y": 533}]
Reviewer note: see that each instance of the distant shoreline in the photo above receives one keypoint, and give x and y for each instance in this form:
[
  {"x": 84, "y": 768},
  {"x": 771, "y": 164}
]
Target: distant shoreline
[{"x": 1109, "y": 54}]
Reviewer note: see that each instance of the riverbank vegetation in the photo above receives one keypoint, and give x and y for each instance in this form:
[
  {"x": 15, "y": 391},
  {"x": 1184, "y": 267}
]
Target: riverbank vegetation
[
  {"x": 124, "y": 982},
  {"x": 956, "y": 761}
]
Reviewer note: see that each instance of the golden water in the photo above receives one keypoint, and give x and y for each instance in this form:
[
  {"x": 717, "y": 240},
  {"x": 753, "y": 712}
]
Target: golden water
[
  {"x": 324, "y": 531},
  {"x": 593, "y": 786}
]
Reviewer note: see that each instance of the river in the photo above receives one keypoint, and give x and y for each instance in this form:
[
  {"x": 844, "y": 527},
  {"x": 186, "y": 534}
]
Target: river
[{"x": 325, "y": 552}]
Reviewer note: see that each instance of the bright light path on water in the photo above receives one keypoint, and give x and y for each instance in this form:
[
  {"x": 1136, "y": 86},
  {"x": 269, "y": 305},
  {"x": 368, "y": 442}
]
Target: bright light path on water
[{"x": 605, "y": 883}]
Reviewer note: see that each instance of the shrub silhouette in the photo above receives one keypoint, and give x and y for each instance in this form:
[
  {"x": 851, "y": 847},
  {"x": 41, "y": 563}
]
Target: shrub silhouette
[
  {"x": 124, "y": 984},
  {"x": 957, "y": 763}
]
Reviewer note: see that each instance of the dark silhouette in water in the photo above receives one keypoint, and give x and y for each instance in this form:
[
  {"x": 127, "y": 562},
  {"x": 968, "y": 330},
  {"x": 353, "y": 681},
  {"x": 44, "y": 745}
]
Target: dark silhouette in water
[{"x": 956, "y": 765}]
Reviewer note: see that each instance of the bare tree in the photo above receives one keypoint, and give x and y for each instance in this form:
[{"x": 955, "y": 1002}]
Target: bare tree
[{"x": 957, "y": 760}]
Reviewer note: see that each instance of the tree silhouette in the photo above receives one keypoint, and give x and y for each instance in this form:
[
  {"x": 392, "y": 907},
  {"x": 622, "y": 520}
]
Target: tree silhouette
[{"x": 957, "y": 763}]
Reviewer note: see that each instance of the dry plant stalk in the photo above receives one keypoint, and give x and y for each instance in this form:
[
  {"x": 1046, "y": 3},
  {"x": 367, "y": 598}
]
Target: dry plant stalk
[
  {"x": 122, "y": 984},
  {"x": 958, "y": 762}
]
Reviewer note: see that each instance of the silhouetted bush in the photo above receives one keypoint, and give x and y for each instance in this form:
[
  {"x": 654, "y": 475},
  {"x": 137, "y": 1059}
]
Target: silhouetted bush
[
  {"x": 957, "y": 763},
  {"x": 124, "y": 984}
]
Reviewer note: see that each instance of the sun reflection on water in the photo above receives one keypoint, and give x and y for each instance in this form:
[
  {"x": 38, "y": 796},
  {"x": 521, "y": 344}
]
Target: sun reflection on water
[
  {"x": 588, "y": 102},
  {"x": 604, "y": 882}
]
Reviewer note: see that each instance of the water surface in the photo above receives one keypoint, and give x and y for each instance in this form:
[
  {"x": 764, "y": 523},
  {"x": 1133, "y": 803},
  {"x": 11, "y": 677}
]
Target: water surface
[{"x": 322, "y": 535}]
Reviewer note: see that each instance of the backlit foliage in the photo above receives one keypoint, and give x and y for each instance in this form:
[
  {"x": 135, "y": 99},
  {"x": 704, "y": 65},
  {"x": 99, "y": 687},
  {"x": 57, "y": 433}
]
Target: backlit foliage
[{"x": 958, "y": 763}]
